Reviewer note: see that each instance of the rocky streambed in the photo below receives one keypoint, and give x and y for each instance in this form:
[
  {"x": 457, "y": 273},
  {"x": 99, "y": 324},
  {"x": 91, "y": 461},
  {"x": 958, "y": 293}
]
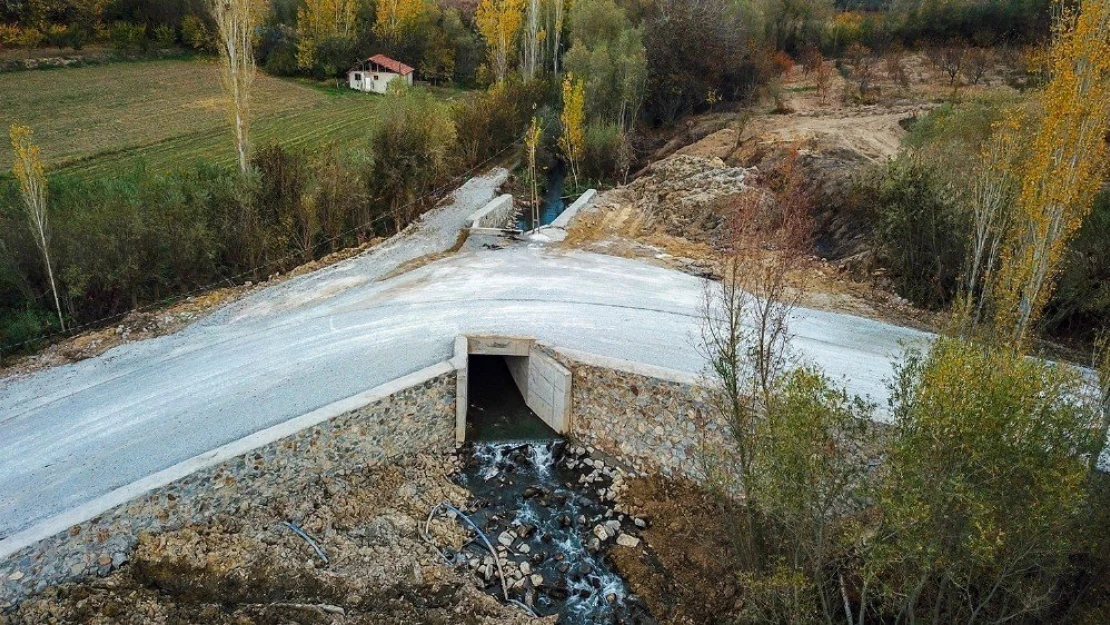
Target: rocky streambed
[{"x": 549, "y": 511}]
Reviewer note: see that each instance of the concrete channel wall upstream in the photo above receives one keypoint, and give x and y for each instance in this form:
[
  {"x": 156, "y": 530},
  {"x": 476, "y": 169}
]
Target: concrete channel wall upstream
[{"x": 496, "y": 215}]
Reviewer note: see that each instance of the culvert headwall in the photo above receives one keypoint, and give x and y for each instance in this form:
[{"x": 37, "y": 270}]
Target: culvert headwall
[{"x": 543, "y": 382}]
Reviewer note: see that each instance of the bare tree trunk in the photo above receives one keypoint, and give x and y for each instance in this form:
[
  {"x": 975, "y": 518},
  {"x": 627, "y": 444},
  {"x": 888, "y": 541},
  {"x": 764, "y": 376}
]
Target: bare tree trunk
[
  {"x": 558, "y": 8},
  {"x": 530, "y": 58}
]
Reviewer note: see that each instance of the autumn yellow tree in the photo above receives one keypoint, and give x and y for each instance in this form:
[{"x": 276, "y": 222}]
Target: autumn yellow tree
[
  {"x": 499, "y": 21},
  {"x": 28, "y": 170},
  {"x": 1066, "y": 165},
  {"x": 573, "y": 141},
  {"x": 236, "y": 21},
  {"x": 323, "y": 19},
  {"x": 396, "y": 17}
]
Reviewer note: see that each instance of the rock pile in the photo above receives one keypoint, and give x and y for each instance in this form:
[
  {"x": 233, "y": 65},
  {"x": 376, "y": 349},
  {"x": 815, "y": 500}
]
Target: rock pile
[{"x": 550, "y": 513}]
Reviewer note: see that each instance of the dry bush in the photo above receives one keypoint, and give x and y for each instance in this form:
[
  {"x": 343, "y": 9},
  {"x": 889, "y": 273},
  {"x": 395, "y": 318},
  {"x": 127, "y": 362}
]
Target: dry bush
[
  {"x": 952, "y": 59},
  {"x": 822, "y": 77},
  {"x": 894, "y": 64},
  {"x": 811, "y": 60},
  {"x": 862, "y": 69},
  {"x": 979, "y": 62}
]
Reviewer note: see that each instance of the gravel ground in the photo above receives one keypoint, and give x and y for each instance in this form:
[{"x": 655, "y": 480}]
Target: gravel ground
[{"x": 247, "y": 568}]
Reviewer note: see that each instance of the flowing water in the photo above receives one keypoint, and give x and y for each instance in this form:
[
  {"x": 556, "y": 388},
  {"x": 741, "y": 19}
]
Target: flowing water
[
  {"x": 539, "y": 504},
  {"x": 551, "y": 205}
]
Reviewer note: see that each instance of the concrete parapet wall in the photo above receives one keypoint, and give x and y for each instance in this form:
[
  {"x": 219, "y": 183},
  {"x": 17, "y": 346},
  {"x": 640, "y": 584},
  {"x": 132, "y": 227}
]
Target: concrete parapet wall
[
  {"x": 584, "y": 200},
  {"x": 413, "y": 415},
  {"x": 498, "y": 214}
]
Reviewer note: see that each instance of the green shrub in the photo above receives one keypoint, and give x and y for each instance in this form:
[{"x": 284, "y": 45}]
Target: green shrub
[
  {"x": 194, "y": 33},
  {"x": 165, "y": 37},
  {"x": 77, "y": 36},
  {"x": 1080, "y": 306},
  {"x": 489, "y": 122},
  {"x": 987, "y": 478},
  {"x": 606, "y": 156},
  {"x": 413, "y": 147},
  {"x": 920, "y": 230},
  {"x": 127, "y": 37},
  {"x": 20, "y": 329}
]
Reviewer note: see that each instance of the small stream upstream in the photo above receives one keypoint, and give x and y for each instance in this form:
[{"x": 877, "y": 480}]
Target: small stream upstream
[
  {"x": 552, "y": 204},
  {"x": 547, "y": 509}
]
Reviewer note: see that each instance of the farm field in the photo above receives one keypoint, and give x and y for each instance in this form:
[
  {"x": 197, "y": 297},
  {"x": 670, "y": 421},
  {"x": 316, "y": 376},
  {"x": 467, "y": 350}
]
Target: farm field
[{"x": 166, "y": 114}]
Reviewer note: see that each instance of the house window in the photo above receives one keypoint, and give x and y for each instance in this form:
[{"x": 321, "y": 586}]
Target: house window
[
  {"x": 358, "y": 76},
  {"x": 376, "y": 77}
]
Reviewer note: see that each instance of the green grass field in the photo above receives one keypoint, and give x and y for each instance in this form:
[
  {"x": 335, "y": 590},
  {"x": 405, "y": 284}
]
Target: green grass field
[{"x": 167, "y": 114}]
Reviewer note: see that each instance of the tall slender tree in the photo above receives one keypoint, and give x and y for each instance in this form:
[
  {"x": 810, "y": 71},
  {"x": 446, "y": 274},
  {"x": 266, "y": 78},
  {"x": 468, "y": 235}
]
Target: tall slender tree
[
  {"x": 236, "y": 21},
  {"x": 1067, "y": 163},
  {"x": 573, "y": 141},
  {"x": 992, "y": 190},
  {"x": 318, "y": 20},
  {"x": 531, "y": 145},
  {"x": 500, "y": 21},
  {"x": 29, "y": 173},
  {"x": 558, "y": 22},
  {"x": 532, "y": 53},
  {"x": 394, "y": 18}
]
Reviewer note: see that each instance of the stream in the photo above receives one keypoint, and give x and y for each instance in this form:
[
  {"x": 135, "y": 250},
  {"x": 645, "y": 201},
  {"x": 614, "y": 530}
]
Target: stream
[
  {"x": 547, "y": 509},
  {"x": 551, "y": 205}
]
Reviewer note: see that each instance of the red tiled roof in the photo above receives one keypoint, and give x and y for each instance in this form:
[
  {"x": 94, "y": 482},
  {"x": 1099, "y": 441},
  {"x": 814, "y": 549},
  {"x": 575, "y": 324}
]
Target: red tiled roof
[{"x": 396, "y": 67}]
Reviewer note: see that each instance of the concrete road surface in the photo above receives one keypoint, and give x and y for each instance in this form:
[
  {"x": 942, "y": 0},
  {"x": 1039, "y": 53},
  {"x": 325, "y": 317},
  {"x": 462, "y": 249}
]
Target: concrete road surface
[{"x": 70, "y": 434}]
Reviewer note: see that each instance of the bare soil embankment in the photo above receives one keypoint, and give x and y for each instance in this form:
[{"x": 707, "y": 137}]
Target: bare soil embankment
[{"x": 671, "y": 212}]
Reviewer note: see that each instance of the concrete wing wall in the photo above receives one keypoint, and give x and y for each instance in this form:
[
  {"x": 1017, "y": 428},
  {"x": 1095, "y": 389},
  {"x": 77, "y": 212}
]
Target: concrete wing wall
[
  {"x": 548, "y": 390},
  {"x": 497, "y": 214}
]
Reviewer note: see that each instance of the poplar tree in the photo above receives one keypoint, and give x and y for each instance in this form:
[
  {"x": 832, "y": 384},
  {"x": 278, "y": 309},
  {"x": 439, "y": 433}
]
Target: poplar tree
[
  {"x": 557, "y": 23},
  {"x": 236, "y": 21},
  {"x": 573, "y": 141},
  {"x": 1066, "y": 167},
  {"x": 500, "y": 21},
  {"x": 29, "y": 173},
  {"x": 532, "y": 57},
  {"x": 318, "y": 20},
  {"x": 396, "y": 17}
]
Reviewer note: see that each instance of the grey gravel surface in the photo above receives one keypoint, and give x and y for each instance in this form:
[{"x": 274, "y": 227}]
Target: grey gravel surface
[{"x": 70, "y": 434}]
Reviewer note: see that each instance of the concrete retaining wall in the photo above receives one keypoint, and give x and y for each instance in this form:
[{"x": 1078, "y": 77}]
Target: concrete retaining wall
[
  {"x": 499, "y": 213},
  {"x": 410, "y": 416},
  {"x": 543, "y": 382},
  {"x": 649, "y": 417}
]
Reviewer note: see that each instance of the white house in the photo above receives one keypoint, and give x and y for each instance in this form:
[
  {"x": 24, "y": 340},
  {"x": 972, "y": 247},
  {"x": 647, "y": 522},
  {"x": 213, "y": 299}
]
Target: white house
[{"x": 375, "y": 73}]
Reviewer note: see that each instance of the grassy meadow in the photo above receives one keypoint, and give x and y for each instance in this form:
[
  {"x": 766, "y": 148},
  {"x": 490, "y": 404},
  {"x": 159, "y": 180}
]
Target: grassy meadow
[{"x": 165, "y": 114}]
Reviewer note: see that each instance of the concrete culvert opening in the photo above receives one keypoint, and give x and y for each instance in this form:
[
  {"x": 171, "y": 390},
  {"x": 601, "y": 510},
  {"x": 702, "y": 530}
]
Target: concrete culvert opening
[
  {"x": 509, "y": 389},
  {"x": 497, "y": 410}
]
